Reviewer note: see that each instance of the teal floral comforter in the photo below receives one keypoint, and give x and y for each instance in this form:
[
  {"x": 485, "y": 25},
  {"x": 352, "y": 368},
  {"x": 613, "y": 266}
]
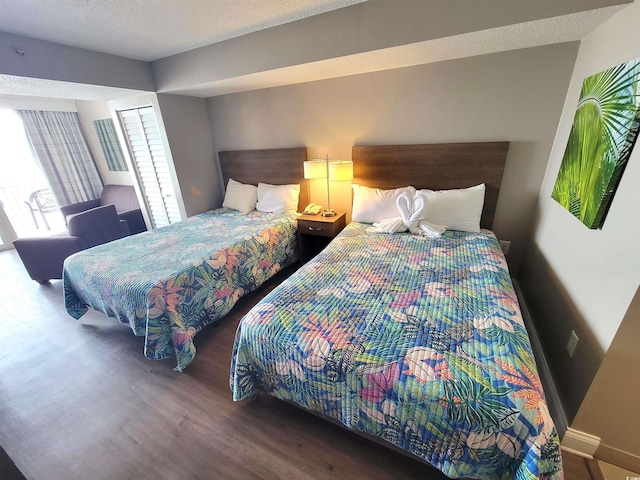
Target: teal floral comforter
[
  {"x": 417, "y": 341},
  {"x": 169, "y": 283}
]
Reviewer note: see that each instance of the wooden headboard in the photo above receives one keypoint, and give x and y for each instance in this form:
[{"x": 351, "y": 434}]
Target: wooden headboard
[
  {"x": 278, "y": 166},
  {"x": 440, "y": 166}
]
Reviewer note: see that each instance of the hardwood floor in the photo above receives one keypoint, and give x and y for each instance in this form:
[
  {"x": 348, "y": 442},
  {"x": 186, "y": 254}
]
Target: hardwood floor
[{"x": 78, "y": 400}]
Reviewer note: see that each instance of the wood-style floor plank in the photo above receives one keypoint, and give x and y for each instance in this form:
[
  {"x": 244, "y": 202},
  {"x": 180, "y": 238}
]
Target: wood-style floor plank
[{"x": 78, "y": 400}]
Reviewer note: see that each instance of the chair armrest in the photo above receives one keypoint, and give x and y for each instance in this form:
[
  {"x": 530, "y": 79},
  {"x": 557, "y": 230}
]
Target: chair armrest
[
  {"x": 43, "y": 257},
  {"x": 98, "y": 225},
  {"x": 122, "y": 230},
  {"x": 135, "y": 220},
  {"x": 79, "y": 207}
]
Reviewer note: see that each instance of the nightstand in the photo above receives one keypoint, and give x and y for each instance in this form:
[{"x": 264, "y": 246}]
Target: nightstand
[{"x": 315, "y": 232}]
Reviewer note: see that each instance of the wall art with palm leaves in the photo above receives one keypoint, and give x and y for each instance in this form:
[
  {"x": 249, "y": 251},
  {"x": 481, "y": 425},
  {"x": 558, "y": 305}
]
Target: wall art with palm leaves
[{"x": 604, "y": 131}]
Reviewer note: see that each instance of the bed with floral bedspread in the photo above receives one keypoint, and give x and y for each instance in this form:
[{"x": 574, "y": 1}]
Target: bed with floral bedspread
[
  {"x": 169, "y": 283},
  {"x": 416, "y": 341}
]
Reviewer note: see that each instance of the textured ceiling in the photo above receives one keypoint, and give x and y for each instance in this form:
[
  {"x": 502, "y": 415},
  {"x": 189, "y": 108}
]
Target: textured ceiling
[
  {"x": 151, "y": 29},
  {"x": 12, "y": 85},
  {"x": 565, "y": 28}
]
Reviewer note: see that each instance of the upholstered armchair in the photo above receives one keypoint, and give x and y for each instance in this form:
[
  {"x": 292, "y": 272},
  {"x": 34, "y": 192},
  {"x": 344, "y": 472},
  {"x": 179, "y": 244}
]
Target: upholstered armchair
[
  {"x": 43, "y": 257},
  {"x": 123, "y": 197}
]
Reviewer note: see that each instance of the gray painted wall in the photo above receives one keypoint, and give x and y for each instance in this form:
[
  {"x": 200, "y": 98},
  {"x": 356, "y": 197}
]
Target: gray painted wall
[
  {"x": 515, "y": 96},
  {"x": 53, "y": 61},
  {"x": 585, "y": 280},
  {"x": 610, "y": 408},
  {"x": 189, "y": 134},
  {"x": 364, "y": 27}
]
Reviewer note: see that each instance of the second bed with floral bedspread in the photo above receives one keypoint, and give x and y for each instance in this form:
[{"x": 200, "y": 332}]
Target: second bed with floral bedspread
[
  {"x": 169, "y": 283},
  {"x": 417, "y": 341}
]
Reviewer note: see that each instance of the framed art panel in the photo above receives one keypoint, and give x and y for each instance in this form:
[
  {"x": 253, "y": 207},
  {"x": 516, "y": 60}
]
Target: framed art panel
[{"x": 604, "y": 131}]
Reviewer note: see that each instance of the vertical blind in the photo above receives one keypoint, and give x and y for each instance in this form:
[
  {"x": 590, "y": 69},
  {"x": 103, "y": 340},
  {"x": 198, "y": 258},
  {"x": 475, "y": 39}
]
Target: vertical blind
[{"x": 150, "y": 161}]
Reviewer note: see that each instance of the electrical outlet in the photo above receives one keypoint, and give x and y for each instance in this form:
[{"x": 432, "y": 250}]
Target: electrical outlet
[
  {"x": 572, "y": 343},
  {"x": 505, "y": 245}
]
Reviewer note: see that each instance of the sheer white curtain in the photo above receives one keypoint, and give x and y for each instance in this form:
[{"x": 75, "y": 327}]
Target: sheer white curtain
[{"x": 60, "y": 148}]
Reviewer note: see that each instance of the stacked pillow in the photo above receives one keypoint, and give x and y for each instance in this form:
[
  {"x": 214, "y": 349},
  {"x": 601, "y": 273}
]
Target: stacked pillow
[
  {"x": 264, "y": 197},
  {"x": 240, "y": 196},
  {"x": 278, "y": 198},
  {"x": 371, "y": 205},
  {"x": 457, "y": 209}
]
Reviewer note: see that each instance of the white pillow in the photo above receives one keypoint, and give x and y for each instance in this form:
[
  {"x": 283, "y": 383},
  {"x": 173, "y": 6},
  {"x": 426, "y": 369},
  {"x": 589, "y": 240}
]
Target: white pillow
[
  {"x": 458, "y": 209},
  {"x": 240, "y": 196},
  {"x": 278, "y": 198},
  {"x": 372, "y": 205}
]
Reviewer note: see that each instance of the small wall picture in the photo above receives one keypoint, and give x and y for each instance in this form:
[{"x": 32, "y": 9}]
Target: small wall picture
[{"x": 604, "y": 131}]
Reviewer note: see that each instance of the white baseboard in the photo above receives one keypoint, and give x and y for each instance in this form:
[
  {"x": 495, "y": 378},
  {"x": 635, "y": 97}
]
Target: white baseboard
[{"x": 580, "y": 443}]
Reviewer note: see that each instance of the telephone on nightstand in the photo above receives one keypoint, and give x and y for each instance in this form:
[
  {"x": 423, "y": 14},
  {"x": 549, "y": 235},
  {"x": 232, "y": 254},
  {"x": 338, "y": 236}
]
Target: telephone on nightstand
[{"x": 312, "y": 209}]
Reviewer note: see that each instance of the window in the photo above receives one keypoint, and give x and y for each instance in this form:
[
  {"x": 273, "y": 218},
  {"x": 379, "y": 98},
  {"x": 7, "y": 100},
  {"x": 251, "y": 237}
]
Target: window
[{"x": 110, "y": 146}]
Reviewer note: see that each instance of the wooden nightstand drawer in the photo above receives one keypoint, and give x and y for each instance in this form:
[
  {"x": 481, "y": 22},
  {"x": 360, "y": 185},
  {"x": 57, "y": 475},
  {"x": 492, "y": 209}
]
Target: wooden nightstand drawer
[{"x": 311, "y": 227}]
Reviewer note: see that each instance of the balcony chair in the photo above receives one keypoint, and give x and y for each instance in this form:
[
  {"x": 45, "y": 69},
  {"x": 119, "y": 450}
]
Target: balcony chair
[
  {"x": 43, "y": 257},
  {"x": 42, "y": 202}
]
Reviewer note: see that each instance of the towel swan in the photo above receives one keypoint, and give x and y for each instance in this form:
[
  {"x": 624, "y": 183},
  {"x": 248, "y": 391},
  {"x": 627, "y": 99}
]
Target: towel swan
[{"x": 412, "y": 212}]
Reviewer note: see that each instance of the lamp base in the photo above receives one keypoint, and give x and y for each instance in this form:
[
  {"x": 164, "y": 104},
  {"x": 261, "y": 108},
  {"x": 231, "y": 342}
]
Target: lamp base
[{"x": 329, "y": 213}]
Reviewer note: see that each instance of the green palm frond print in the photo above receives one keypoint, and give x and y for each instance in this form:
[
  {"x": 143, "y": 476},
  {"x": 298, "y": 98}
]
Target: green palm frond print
[{"x": 604, "y": 131}]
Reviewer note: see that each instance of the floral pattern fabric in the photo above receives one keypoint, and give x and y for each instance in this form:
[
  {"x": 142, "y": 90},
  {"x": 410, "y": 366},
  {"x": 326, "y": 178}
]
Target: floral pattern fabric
[
  {"x": 416, "y": 341},
  {"x": 169, "y": 283}
]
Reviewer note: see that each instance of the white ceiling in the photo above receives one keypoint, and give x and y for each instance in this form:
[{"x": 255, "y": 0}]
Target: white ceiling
[
  {"x": 151, "y": 29},
  {"x": 39, "y": 87}
]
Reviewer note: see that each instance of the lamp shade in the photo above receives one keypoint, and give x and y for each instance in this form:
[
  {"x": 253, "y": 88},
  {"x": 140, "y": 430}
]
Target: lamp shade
[
  {"x": 315, "y": 169},
  {"x": 340, "y": 170}
]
